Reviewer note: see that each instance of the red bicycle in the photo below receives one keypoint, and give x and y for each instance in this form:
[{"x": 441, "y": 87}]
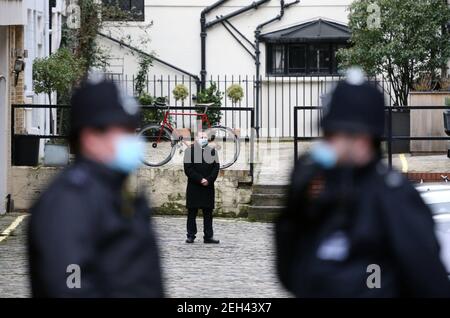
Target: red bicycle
[{"x": 162, "y": 140}]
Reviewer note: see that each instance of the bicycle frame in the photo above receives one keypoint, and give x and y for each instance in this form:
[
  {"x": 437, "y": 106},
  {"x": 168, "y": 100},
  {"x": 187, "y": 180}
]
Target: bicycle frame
[{"x": 166, "y": 121}]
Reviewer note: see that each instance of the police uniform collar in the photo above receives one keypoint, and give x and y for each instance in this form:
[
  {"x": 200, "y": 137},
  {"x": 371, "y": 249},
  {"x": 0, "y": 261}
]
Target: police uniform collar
[{"x": 103, "y": 172}]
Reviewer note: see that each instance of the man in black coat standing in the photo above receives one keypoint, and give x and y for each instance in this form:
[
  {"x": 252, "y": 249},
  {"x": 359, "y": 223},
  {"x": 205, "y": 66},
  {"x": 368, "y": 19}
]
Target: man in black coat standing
[
  {"x": 88, "y": 235},
  {"x": 201, "y": 166},
  {"x": 366, "y": 232}
]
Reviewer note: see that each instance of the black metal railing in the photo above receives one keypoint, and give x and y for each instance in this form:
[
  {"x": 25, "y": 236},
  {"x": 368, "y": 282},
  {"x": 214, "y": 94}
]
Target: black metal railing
[
  {"x": 57, "y": 134},
  {"x": 277, "y": 98},
  {"x": 310, "y": 130}
]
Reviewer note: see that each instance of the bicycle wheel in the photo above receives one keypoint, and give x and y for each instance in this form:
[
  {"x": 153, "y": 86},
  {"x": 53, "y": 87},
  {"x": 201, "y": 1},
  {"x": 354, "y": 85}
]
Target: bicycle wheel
[
  {"x": 159, "y": 146},
  {"x": 227, "y": 144}
]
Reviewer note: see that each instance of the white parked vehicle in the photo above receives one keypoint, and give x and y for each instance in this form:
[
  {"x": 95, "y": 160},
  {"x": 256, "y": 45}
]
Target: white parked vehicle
[{"x": 437, "y": 197}]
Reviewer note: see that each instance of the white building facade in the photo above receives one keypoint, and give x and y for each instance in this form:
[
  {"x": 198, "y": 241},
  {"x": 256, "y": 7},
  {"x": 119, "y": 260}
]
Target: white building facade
[
  {"x": 297, "y": 64},
  {"x": 29, "y": 29}
]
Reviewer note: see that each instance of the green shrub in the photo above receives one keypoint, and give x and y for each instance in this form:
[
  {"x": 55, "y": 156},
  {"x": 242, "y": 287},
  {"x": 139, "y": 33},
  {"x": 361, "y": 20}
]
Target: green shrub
[
  {"x": 151, "y": 115},
  {"x": 235, "y": 93},
  {"x": 180, "y": 92},
  {"x": 213, "y": 95}
]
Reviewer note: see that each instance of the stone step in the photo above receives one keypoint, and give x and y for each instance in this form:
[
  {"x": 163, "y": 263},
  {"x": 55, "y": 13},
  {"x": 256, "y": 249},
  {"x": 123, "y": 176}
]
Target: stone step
[
  {"x": 270, "y": 199},
  {"x": 270, "y": 189},
  {"x": 264, "y": 213}
]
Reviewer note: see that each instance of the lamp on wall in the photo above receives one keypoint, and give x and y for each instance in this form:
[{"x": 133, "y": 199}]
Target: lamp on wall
[{"x": 19, "y": 66}]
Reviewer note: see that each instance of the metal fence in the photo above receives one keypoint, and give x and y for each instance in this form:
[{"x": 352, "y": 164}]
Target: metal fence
[
  {"x": 312, "y": 131},
  {"x": 247, "y": 135},
  {"x": 277, "y": 98}
]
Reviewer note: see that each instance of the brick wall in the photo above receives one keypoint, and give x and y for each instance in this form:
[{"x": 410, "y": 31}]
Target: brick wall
[
  {"x": 426, "y": 177},
  {"x": 17, "y": 92}
]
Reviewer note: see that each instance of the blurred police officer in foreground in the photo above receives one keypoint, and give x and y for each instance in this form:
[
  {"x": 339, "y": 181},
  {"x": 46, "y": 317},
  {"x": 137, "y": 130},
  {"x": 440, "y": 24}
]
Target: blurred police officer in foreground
[
  {"x": 86, "y": 222},
  {"x": 352, "y": 227}
]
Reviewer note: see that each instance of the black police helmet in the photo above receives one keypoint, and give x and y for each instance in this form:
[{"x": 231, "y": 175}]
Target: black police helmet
[
  {"x": 100, "y": 104},
  {"x": 355, "y": 106}
]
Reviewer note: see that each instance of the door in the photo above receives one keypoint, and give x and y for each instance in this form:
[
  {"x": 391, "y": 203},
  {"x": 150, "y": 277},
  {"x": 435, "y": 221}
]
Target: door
[{"x": 3, "y": 116}]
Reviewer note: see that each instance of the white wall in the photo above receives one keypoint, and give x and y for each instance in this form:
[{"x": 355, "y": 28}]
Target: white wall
[
  {"x": 175, "y": 34},
  {"x": 175, "y": 38},
  {"x": 4, "y": 115},
  {"x": 37, "y": 43}
]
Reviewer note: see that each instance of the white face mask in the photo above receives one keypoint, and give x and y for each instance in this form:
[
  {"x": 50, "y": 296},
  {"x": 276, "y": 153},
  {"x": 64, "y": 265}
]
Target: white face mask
[
  {"x": 129, "y": 150},
  {"x": 203, "y": 142}
]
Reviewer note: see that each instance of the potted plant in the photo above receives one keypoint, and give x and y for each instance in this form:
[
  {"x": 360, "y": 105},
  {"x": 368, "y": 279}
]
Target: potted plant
[
  {"x": 55, "y": 73},
  {"x": 235, "y": 93},
  {"x": 180, "y": 93}
]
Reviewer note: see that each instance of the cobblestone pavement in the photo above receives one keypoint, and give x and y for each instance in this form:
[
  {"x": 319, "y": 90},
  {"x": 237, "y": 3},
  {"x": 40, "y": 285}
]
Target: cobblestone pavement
[
  {"x": 13, "y": 260},
  {"x": 241, "y": 266}
]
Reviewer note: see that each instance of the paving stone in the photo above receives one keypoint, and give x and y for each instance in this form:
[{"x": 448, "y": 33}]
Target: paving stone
[{"x": 242, "y": 265}]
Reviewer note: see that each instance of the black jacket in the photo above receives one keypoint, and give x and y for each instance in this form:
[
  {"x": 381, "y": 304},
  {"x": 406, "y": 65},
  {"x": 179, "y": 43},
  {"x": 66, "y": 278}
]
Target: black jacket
[
  {"x": 85, "y": 218},
  {"x": 200, "y": 163},
  {"x": 366, "y": 216}
]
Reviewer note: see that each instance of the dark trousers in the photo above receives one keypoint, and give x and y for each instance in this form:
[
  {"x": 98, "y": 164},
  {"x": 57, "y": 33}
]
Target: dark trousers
[{"x": 207, "y": 223}]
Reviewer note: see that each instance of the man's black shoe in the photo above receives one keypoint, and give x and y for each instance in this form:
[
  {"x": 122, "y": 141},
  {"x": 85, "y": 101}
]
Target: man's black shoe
[
  {"x": 211, "y": 241},
  {"x": 189, "y": 240}
]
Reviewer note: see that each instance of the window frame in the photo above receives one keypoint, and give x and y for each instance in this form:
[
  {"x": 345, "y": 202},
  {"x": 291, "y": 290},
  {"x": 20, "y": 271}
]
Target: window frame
[
  {"x": 133, "y": 17},
  {"x": 333, "y": 46}
]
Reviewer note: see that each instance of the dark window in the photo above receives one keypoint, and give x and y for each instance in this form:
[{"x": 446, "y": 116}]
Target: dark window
[
  {"x": 278, "y": 60},
  {"x": 124, "y": 10},
  {"x": 301, "y": 59},
  {"x": 297, "y": 59},
  {"x": 319, "y": 59}
]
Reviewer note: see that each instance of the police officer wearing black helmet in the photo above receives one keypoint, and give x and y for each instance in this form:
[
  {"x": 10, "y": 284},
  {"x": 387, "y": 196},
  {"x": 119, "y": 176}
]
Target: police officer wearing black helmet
[
  {"x": 88, "y": 235},
  {"x": 366, "y": 231}
]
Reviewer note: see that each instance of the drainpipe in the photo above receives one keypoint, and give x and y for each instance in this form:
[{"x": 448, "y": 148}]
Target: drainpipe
[
  {"x": 258, "y": 83},
  {"x": 255, "y": 5},
  {"x": 205, "y": 26},
  {"x": 203, "y": 35}
]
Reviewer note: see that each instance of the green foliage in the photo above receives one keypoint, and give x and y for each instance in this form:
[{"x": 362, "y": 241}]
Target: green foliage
[
  {"x": 146, "y": 99},
  {"x": 82, "y": 41},
  {"x": 152, "y": 115},
  {"x": 213, "y": 95},
  {"x": 56, "y": 73},
  {"x": 447, "y": 101},
  {"x": 445, "y": 84},
  {"x": 235, "y": 93},
  {"x": 145, "y": 62},
  {"x": 407, "y": 43},
  {"x": 180, "y": 92}
]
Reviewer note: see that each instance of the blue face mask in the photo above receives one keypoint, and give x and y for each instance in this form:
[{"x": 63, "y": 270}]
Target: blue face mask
[
  {"x": 324, "y": 155},
  {"x": 203, "y": 142},
  {"x": 129, "y": 151}
]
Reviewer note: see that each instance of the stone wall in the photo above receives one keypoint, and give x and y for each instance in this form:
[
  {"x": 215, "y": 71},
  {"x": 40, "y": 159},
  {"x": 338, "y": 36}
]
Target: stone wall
[{"x": 165, "y": 187}]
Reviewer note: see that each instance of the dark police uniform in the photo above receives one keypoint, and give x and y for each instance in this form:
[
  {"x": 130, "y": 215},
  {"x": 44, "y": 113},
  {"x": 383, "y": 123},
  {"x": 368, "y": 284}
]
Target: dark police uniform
[
  {"x": 87, "y": 218},
  {"x": 360, "y": 217},
  {"x": 200, "y": 163},
  {"x": 345, "y": 223}
]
